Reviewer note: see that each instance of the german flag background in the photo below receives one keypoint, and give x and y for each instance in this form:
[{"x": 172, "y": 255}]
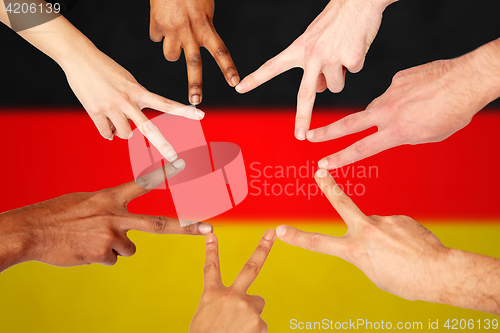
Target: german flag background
[{"x": 51, "y": 147}]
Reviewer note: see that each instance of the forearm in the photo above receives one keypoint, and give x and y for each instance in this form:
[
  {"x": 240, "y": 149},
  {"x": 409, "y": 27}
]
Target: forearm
[
  {"x": 57, "y": 38},
  {"x": 482, "y": 68},
  {"x": 471, "y": 281}
]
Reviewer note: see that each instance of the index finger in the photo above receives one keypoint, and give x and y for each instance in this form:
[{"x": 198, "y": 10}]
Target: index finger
[
  {"x": 219, "y": 51},
  {"x": 346, "y": 208},
  {"x": 252, "y": 268},
  {"x": 271, "y": 68},
  {"x": 194, "y": 72},
  {"x": 305, "y": 100},
  {"x": 142, "y": 185},
  {"x": 212, "y": 278},
  {"x": 153, "y": 134}
]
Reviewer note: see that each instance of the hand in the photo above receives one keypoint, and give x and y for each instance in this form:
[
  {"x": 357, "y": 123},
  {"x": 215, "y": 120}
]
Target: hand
[
  {"x": 337, "y": 39},
  {"x": 395, "y": 252},
  {"x": 85, "y": 228},
  {"x": 187, "y": 24},
  {"x": 426, "y": 103},
  {"x": 229, "y": 309},
  {"x": 402, "y": 257},
  {"x": 109, "y": 93},
  {"x": 112, "y": 97}
]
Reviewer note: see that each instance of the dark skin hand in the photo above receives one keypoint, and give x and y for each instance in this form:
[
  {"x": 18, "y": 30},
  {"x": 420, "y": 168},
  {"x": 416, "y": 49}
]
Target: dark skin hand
[
  {"x": 187, "y": 25},
  {"x": 84, "y": 228}
]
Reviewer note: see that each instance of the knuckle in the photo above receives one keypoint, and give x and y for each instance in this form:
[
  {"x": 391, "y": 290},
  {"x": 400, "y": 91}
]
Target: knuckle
[
  {"x": 360, "y": 148},
  {"x": 315, "y": 241},
  {"x": 132, "y": 248},
  {"x": 252, "y": 267},
  {"x": 230, "y": 70},
  {"x": 210, "y": 266},
  {"x": 143, "y": 182},
  {"x": 302, "y": 118},
  {"x": 355, "y": 62},
  {"x": 344, "y": 200},
  {"x": 165, "y": 146},
  {"x": 261, "y": 300},
  {"x": 241, "y": 304},
  {"x": 398, "y": 76},
  {"x": 194, "y": 60},
  {"x": 221, "y": 51},
  {"x": 306, "y": 93},
  {"x": 94, "y": 111},
  {"x": 262, "y": 248},
  {"x": 191, "y": 229},
  {"x": 195, "y": 86},
  {"x": 270, "y": 65},
  {"x": 159, "y": 224},
  {"x": 337, "y": 87},
  {"x": 172, "y": 56},
  {"x": 350, "y": 121},
  {"x": 106, "y": 133},
  {"x": 368, "y": 229}
]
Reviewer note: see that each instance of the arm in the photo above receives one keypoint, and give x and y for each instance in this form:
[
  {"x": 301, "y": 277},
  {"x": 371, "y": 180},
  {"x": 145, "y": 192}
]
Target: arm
[
  {"x": 475, "y": 282},
  {"x": 402, "y": 257},
  {"x": 230, "y": 309},
  {"x": 84, "y": 228},
  {"x": 337, "y": 39},
  {"x": 187, "y": 25},
  {"x": 109, "y": 93},
  {"x": 427, "y": 103}
]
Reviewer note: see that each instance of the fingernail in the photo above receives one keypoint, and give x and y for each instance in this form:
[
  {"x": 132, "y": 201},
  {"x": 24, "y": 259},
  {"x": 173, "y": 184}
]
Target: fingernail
[
  {"x": 200, "y": 114},
  {"x": 171, "y": 156},
  {"x": 235, "y": 80},
  {"x": 310, "y": 135},
  {"x": 179, "y": 164},
  {"x": 269, "y": 234},
  {"x": 300, "y": 133},
  {"x": 211, "y": 238},
  {"x": 130, "y": 135},
  {"x": 240, "y": 87},
  {"x": 323, "y": 163},
  {"x": 321, "y": 173},
  {"x": 205, "y": 228},
  {"x": 281, "y": 231},
  {"x": 195, "y": 99}
]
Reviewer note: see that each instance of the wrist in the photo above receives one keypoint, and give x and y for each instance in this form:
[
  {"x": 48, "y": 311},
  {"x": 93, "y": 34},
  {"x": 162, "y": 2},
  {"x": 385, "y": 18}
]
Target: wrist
[
  {"x": 14, "y": 244},
  {"x": 80, "y": 51},
  {"x": 381, "y": 5}
]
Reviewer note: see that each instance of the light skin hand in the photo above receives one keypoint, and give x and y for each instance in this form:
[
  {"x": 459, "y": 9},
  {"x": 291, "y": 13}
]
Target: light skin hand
[
  {"x": 337, "y": 39},
  {"x": 402, "y": 257},
  {"x": 187, "y": 25},
  {"x": 109, "y": 93},
  {"x": 427, "y": 103},
  {"x": 230, "y": 309},
  {"x": 84, "y": 228}
]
